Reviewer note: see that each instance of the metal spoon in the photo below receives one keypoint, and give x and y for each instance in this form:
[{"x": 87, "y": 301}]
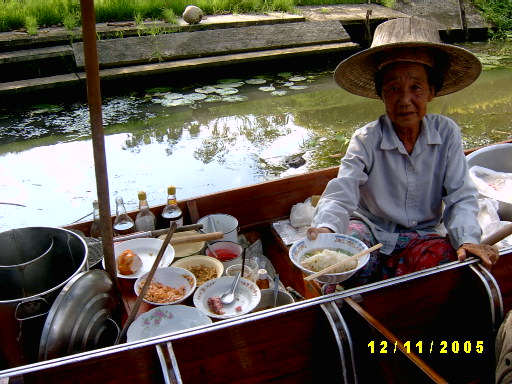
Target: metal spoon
[
  {"x": 276, "y": 289},
  {"x": 229, "y": 296}
]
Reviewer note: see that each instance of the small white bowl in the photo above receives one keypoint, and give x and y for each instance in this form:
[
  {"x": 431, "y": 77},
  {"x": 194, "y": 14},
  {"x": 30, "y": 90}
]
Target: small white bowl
[
  {"x": 229, "y": 253},
  {"x": 333, "y": 241},
  {"x": 172, "y": 277},
  {"x": 190, "y": 262}
]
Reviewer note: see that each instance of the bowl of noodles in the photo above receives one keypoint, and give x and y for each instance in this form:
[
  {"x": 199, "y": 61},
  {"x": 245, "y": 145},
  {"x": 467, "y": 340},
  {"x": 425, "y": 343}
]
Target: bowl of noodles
[
  {"x": 204, "y": 268},
  {"x": 170, "y": 285},
  {"x": 312, "y": 256}
]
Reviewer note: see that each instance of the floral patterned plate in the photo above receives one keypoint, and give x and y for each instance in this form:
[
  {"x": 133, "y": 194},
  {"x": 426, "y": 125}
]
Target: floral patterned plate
[{"x": 165, "y": 319}]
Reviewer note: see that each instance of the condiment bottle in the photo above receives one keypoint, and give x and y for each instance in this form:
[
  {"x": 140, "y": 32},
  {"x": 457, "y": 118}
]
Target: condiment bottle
[
  {"x": 145, "y": 219},
  {"x": 262, "y": 282},
  {"x": 123, "y": 224},
  {"x": 171, "y": 211},
  {"x": 95, "y": 226}
]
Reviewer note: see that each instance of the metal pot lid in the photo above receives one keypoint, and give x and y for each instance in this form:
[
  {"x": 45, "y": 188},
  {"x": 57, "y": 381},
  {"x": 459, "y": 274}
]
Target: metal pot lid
[{"x": 80, "y": 319}]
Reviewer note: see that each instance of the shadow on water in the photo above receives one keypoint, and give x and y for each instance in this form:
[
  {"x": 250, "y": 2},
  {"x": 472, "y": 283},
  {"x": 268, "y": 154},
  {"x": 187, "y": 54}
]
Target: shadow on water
[{"x": 210, "y": 137}]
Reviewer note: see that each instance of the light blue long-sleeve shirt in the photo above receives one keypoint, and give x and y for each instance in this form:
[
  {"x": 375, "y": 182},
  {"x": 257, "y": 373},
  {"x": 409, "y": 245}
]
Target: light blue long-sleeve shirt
[{"x": 379, "y": 182}]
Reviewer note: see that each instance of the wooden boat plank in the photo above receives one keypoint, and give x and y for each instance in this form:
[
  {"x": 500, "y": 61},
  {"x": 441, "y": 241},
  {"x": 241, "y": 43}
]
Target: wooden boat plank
[
  {"x": 439, "y": 310},
  {"x": 394, "y": 361}
]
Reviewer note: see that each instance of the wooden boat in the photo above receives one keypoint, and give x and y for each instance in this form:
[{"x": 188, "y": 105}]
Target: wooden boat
[{"x": 436, "y": 325}]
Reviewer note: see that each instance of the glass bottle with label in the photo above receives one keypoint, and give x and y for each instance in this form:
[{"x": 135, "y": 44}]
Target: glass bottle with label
[
  {"x": 95, "y": 226},
  {"x": 172, "y": 212},
  {"x": 145, "y": 219},
  {"x": 123, "y": 224}
]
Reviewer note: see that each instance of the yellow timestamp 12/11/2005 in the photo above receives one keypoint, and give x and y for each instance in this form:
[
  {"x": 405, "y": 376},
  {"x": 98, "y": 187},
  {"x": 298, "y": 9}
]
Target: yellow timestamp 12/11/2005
[{"x": 441, "y": 347}]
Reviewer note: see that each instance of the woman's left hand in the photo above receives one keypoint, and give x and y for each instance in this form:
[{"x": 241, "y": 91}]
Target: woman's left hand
[{"x": 488, "y": 253}]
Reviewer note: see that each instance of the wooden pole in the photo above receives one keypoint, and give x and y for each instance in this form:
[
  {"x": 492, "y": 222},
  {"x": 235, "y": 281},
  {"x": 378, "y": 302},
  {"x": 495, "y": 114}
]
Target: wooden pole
[
  {"x": 463, "y": 20},
  {"x": 98, "y": 140}
]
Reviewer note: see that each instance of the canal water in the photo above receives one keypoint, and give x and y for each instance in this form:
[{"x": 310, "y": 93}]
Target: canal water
[{"x": 205, "y": 138}]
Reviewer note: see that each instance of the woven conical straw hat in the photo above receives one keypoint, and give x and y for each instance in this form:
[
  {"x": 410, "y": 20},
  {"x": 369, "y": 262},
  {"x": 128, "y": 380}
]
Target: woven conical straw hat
[{"x": 407, "y": 39}]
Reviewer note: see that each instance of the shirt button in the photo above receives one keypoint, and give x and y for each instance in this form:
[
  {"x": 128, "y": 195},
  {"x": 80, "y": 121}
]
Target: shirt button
[{"x": 413, "y": 222}]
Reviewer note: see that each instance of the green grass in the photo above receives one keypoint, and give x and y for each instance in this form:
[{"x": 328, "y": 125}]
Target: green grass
[
  {"x": 15, "y": 14},
  {"x": 33, "y": 14},
  {"x": 498, "y": 12}
]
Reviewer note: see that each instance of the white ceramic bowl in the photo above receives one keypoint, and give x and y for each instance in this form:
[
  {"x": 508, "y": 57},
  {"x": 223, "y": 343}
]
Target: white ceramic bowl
[
  {"x": 229, "y": 253},
  {"x": 247, "y": 297},
  {"x": 333, "y": 241},
  {"x": 190, "y": 262},
  {"x": 147, "y": 249},
  {"x": 172, "y": 277},
  {"x": 165, "y": 319}
]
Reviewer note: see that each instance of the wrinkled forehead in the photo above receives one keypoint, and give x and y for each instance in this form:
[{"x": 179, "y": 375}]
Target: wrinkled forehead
[{"x": 402, "y": 70}]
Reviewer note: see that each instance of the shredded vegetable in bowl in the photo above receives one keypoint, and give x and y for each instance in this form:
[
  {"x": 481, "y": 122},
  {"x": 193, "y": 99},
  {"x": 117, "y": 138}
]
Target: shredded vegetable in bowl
[
  {"x": 320, "y": 259},
  {"x": 203, "y": 273},
  {"x": 160, "y": 293}
]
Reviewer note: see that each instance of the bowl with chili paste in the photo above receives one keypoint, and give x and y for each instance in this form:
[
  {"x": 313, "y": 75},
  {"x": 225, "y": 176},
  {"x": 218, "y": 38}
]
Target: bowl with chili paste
[{"x": 170, "y": 285}]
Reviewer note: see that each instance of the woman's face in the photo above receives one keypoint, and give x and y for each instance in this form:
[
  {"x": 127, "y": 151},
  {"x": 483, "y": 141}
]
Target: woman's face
[{"x": 406, "y": 92}]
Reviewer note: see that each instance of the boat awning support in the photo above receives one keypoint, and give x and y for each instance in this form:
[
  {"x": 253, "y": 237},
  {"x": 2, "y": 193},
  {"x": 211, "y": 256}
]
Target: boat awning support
[{"x": 98, "y": 140}]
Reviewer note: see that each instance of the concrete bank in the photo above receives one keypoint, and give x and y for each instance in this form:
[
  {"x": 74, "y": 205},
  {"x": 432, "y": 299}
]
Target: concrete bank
[{"x": 53, "y": 61}]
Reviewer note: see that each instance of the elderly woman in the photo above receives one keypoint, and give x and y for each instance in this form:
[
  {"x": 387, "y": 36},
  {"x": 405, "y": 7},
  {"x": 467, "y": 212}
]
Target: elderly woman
[{"x": 403, "y": 181}]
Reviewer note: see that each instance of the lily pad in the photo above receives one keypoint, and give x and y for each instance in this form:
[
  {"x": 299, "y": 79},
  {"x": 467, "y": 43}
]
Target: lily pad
[
  {"x": 278, "y": 93},
  {"x": 298, "y": 87},
  {"x": 212, "y": 99},
  {"x": 206, "y": 90},
  {"x": 195, "y": 96},
  {"x": 172, "y": 96},
  {"x": 230, "y": 85},
  {"x": 234, "y": 99},
  {"x": 267, "y": 89},
  {"x": 226, "y": 91},
  {"x": 176, "y": 102},
  {"x": 256, "y": 81},
  {"x": 297, "y": 78}
]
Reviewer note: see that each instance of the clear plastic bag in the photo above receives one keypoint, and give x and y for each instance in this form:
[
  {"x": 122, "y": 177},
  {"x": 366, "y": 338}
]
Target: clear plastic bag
[
  {"x": 497, "y": 185},
  {"x": 302, "y": 214},
  {"x": 488, "y": 212}
]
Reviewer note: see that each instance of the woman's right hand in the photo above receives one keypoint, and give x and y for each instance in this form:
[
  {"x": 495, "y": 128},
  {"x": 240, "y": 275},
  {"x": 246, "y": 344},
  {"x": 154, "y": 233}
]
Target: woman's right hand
[{"x": 313, "y": 232}]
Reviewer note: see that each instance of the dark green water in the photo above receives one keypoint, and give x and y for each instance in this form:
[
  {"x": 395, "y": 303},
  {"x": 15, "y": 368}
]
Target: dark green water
[{"x": 237, "y": 133}]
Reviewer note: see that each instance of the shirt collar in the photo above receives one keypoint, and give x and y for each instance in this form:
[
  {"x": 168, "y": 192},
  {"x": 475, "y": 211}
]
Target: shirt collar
[{"x": 428, "y": 134}]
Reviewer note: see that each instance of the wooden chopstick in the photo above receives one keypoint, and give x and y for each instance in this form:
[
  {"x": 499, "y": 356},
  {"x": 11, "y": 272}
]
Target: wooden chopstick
[
  {"x": 340, "y": 263},
  {"x": 195, "y": 238}
]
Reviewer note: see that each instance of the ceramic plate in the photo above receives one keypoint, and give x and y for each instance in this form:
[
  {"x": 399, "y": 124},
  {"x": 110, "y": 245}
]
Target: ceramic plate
[
  {"x": 247, "y": 297},
  {"x": 164, "y": 320},
  {"x": 147, "y": 249},
  {"x": 187, "y": 249}
]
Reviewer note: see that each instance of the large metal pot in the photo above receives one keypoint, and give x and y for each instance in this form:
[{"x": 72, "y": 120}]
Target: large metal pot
[{"x": 35, "y": 263}]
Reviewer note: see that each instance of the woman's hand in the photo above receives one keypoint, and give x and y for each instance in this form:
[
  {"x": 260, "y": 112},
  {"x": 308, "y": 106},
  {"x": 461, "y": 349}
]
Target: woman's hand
[
  {"x": 313, "y": 232},
  {"x": 489, "y": 254}
]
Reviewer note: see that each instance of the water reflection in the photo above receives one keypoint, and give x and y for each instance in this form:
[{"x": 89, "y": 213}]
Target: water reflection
[{"x": 208, "y": 143}]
